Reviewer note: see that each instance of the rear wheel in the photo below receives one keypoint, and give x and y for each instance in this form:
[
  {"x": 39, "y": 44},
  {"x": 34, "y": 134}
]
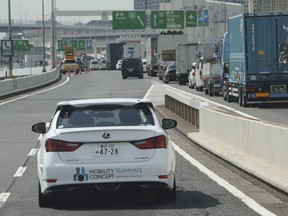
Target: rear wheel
[
  {"x": 167, "y": 196},
  {"x": 240, "y": 96},
  {"x": 228, "y": 97},
  {"x": 46, "y": 200}
]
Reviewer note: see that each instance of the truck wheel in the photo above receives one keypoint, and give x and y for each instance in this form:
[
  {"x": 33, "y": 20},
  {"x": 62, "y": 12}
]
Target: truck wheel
[
  {"x": 244, "y": 102},
  {"x": 240, "y": 97},
  {"x": 228, "y": 97}
]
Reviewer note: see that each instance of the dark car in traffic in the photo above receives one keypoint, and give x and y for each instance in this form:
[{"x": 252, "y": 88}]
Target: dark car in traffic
[
  {"x": 132, "y": 67},
  {"x": 170, "y": 74}
]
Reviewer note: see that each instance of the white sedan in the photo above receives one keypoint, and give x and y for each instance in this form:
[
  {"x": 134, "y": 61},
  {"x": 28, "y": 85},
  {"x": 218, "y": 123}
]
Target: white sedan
[{"x": 105, "y": 145}]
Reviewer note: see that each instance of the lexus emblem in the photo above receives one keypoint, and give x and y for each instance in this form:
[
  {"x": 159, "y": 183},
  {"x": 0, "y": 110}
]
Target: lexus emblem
[{"x": 106, "y": 135}]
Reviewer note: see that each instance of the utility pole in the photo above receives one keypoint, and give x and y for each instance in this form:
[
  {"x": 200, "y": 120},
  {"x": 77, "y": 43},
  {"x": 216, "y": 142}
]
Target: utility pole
[
  {"x": 43, "y": 31},
  {"x": 10, "y": 39},
  {"x": 52, "y": 51}
]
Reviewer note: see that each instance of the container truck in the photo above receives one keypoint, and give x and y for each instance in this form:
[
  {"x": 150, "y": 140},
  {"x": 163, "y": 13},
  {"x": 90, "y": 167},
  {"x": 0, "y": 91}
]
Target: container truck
[
  {"x": 258, "y": 59},
  {"x": 113, "y": 54},
  {"x": 185, "y": 56}
]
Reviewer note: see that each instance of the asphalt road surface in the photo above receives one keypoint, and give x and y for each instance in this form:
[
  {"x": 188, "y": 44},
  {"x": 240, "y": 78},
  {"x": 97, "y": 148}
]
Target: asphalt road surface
[{"x": 206, "y": 185}]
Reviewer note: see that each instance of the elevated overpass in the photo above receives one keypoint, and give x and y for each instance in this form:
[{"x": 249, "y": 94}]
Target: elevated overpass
[{"x": 101, "y": 31}]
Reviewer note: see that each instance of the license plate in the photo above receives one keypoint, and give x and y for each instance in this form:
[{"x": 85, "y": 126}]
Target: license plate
[
  {"x": 278, "y": 89},
  {"x": 130, "y": 70},
  {"x": 107, "y": 150}
]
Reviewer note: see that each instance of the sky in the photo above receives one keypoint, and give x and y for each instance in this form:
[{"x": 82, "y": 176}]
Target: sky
[{"x": 31, "y": 10}]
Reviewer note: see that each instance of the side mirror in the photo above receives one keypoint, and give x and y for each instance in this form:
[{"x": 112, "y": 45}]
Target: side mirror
[
  {"x": 168, "y": 123},
  {"x": 39, "y": 127}
]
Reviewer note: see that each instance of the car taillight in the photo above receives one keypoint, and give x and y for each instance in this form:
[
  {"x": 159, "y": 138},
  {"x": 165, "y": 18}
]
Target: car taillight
[
  {"x": 52, "y": 145},
  {"x": 151, "y": 143}
]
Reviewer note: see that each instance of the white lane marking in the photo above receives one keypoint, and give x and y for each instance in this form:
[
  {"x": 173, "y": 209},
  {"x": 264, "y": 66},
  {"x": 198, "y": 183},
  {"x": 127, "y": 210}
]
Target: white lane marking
[
  {"x": 20, "y": 171},
  {"x": 4, "y": 197},
  {"x": 32, "y": 152},
  {"x": 233, "y": 190},
  {"x": 35, "y": 93},
  {"x": 148, "y": 92}
]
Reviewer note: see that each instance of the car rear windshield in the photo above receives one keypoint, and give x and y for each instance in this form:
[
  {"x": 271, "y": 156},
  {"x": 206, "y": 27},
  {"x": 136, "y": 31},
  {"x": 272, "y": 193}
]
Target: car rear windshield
[
  {"x": 99, "y": 116},
  {"x": 171, "y": 67},
  {"x": 131, "y": 63}
]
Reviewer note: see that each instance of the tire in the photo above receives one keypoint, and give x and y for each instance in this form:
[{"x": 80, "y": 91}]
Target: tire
[
  {"x": 244, "y": 102},
  {"x": 45, "y": 201},
  {"x": 228, "y": 97},
  {"x": 240, "y": 97},
  {"x": 167, "y": 196}
]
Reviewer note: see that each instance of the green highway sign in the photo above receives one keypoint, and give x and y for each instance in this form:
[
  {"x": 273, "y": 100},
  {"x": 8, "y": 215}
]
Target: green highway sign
[
  {"x": 173, "y": 19},
  {"x": 7, "y": 48},
  {"x": 21, "y": 45},
  {"x": 129, "y": 19},
  {"x": 191, "y": 18},
  {"x": 77, "y": 44}
]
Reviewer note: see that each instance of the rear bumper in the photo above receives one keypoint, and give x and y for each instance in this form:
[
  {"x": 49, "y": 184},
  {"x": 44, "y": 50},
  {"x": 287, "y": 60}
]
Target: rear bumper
[{"x": 117, "y": 186}]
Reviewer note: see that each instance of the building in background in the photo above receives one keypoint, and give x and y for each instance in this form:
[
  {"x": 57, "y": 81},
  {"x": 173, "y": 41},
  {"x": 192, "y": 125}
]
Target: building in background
[
  {"x": 264, "y": 6},
  {"x": 148, "y": 4}
]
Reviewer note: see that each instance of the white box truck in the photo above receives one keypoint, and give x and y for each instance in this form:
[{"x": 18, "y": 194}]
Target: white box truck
[{"x": 185, "y": 56}]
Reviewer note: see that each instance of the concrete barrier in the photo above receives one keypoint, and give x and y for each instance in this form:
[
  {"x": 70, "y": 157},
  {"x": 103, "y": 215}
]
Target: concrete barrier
[
  {"x": 18, "y": 84},
  {"x": 259, "y": 147}
]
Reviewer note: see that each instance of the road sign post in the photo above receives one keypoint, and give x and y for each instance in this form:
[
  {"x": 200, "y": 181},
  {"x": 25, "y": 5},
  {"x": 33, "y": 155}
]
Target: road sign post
[
  {"x": 21, "y": 45},
  {"x": 7, "y": 48},
  {"x": 129, "y": 19},
  {"x": 77, "y": 44},
  {"x": 191, "y": 18},
  {"x": 173, "y": 19}
]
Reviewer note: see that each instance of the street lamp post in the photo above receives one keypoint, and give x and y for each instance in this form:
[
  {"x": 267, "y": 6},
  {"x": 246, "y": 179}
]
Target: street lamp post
[
  {"x": 52, "y": 50},
  {"x": 43, "y": 31},
  {"x": 10, "y": 38}
]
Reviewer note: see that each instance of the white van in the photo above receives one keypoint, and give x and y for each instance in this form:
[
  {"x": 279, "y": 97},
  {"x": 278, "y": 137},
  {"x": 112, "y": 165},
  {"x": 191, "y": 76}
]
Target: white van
[
  {"x": 103, "y": 64},
  {"x": 94, "y": 65}
]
